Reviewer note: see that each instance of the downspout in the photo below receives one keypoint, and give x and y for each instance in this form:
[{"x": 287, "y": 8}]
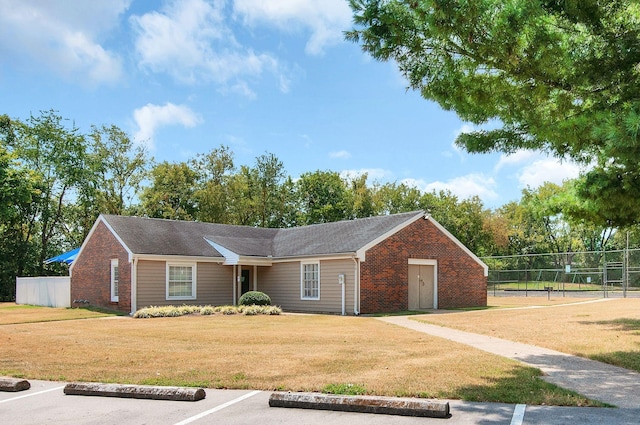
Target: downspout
[
  {"x": 235, "y": 277},
  {"x": 356, "y": 286},
  {"x": 134, "y": 285},
  {"x": 343, "y": 283}
]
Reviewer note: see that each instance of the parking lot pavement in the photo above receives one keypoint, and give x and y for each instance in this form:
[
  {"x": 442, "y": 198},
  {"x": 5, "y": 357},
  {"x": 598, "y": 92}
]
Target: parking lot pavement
[{"x": 46, "y": 403}]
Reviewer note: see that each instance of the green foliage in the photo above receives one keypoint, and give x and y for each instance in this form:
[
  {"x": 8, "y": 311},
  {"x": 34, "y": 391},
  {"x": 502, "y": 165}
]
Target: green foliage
[
  {"x": 207, "y": 310},
  {"x": 177, "y": 311},
  {"x": 322, "y": 197},
  {"x": 54, "y": 181},
  {"x": 344, "y": 389},
  {"x": 560, "y": 77},
  {"x": 171, "y": 194},
  {"x": 214, "y": 191},
  {"x": 254, "y": 298},
  {"x": 119, "y": 168}
]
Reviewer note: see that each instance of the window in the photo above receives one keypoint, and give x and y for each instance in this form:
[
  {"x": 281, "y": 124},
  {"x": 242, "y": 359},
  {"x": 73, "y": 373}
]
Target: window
[
  {"x": 114, "y": 280},
  {"x": 310, "y": 285},
  {"x": 181, "y": 281}
]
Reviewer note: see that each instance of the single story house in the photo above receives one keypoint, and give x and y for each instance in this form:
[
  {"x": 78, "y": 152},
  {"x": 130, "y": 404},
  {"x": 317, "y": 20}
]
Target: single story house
[{"x": 378, "y": 264}]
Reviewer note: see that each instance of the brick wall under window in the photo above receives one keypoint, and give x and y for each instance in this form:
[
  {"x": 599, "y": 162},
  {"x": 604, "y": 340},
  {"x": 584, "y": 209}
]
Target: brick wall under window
[
  {"x": 91, "y": 277},
  {"x": 384, "y": 274}
]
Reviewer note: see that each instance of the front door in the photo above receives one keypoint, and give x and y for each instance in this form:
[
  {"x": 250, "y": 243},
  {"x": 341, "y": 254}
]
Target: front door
[
  {"x": 421, "y": 286},
  {"x": 244, "y": 279}
]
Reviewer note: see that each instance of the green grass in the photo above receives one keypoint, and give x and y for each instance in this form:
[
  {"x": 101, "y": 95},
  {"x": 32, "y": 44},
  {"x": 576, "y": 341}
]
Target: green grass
[
  {"x": 524, "y": 384},
  {"x": 11, "y": 313},
  {"x": 9, "y": 307},
  {"x": 540, "y": 285},
  {"x": 345, "y": 389}
]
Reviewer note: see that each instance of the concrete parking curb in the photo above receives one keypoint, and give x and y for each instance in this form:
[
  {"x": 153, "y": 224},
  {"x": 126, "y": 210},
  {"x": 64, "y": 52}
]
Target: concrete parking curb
[
  {"x": 135, "y": 391},
  {"x": 13, "y": 384},
  {"x": 362, "y": 404}
]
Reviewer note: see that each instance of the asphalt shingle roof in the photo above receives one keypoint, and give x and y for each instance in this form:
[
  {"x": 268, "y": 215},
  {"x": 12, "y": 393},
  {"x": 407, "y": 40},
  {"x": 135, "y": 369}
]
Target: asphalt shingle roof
[{"x": 188, "y": 238}]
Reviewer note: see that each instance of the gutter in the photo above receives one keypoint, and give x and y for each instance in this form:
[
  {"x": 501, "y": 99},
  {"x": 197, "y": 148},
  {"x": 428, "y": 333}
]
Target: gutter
[
  {"x": 134, "y": 285},
  {"x": 356, "y": 286}
]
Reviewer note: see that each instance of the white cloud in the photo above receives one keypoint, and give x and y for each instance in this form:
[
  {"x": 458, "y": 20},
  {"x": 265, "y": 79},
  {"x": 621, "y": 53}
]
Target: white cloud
[
  {"x": 548, "y": 170},
  {"x": 307, "y": 141},
  {"x": 241, "y": 88},
  {"x": 463, "y": 187},
  {"x": 515, "y": 158},
  {"x": 150, "y": 117},
  {"x": 373, "y": 174},
  {"x": 535, "y": 168},
  {"x": 63, "y": 36},
  {"x": 455, "y": 149},
  {"x": 326, "y": 19},
  {"x": 340, "y": 154},
  {"x": 464, "y": 128},
  {"x": 191, "y": 41}
]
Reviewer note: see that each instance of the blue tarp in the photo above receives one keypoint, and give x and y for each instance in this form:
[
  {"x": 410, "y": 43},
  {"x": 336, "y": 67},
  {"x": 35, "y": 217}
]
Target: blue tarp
[{"x": 67, "y": 257}]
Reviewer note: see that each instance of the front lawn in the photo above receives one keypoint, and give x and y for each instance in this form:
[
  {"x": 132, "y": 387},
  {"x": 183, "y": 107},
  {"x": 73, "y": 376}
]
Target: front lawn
[
  {"x": 287, "y": 352},
  {"x": 12, "y": 313}
]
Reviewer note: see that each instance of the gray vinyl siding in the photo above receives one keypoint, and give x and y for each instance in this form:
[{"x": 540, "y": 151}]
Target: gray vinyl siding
[
  {"x": 214, "y": 285},
  {"x": 282, "y": 283},
  {"x": 151, "y": 284}
]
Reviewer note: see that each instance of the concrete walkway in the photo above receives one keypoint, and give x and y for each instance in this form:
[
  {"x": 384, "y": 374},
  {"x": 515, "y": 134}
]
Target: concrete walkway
[{"x": 595, "y": 380}]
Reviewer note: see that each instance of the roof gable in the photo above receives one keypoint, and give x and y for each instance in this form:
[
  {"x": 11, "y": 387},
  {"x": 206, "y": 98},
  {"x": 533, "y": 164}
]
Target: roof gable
[{"x": 337, "y": 237}]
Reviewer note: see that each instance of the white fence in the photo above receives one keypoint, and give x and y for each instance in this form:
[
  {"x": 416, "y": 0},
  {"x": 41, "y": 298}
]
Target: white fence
[{"x": 48, "y": 291}]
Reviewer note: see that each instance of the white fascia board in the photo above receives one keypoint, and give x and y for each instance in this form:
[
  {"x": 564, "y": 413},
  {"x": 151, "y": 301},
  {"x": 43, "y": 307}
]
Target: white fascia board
[
  {"x": 361, "y": 253},
  {"x": 323, "y": 257},
  {"x": 179, "y": 258},
  {"x": 230, "y": 257},
  {"x": 99, "y": 220},
  {"x": 460, "y": 244}
]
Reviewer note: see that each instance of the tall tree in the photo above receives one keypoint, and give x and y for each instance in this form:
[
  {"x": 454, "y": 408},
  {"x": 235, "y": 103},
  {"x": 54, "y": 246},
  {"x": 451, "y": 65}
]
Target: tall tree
[
  {"x": 560, "y": 76},
  {"x": 463, "y": 218},
  {"x": 215, "y": 170},
  {"x": 555, "y": 232},
  {"x": 393, "y": 198},
  {"x": 56, "y": 155},
  {"x": 18, "y": 189},
  {"x": 360, "y": 196},
  {"x": 172, "y": 192},
  {"x": 115, "y": 169},
  {"x": 265, "y": 183},
  {"x": 120, "y": 166},
  {"x": 323, "y": 197}
]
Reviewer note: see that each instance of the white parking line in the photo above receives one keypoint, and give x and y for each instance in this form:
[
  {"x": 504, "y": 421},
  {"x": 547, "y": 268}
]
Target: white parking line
[
  {"x": 518, "y": 414},
  {"x": 30, "y": 394},
  {"x": 215, "y": 409}
]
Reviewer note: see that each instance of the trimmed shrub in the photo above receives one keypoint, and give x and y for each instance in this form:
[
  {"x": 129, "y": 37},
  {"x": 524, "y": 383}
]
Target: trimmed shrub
[
  {"x": 254, "y": 298},
  {"x": 173, "y": 311},
  {"x": 207, "y": 310}
]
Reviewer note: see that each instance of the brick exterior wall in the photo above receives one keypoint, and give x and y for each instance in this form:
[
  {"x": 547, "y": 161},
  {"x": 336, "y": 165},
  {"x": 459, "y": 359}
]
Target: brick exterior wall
[
  {"x": 91, "y": 273},
  {"x": 384, "y": 278}
]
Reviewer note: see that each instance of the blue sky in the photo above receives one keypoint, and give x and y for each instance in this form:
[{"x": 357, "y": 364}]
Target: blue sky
[{"x": 186, "y": 76}]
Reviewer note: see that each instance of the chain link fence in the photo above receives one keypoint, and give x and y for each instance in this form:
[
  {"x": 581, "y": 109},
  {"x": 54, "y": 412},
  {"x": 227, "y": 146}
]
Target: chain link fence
[{"x": 615, "y": 272}]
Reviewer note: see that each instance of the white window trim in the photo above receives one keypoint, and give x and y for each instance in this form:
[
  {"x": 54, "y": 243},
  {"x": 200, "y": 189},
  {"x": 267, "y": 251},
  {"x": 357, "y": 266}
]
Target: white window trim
[
  {"x": 114, "y": 264},
  {"x": 194, "y": 274},
  {"x": 302, "y": 264}
]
